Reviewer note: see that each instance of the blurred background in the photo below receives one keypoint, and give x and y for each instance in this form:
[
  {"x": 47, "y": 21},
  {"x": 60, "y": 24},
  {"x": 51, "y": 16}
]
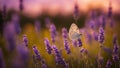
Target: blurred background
[{"x": 32, "y": 19}]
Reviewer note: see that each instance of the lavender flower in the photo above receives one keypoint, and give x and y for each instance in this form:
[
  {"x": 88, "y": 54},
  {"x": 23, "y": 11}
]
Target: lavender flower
[
  {"x": 103, "y": 23},
  {"x": 24, "y": 53},
  {"x": 21, "y": 5},
  {"x": 74, "y": 43},
  {"x": 43, "y": 64},
  {"x": 89, "y": 38},
  {"x": 37, "y": 26},
  {"x": 101, "y": 35},
  {"x": 93, "y": 14},
  {"x": 37, "y": 53},
  {"x": 83, "y": 50},
  {"x": 15, "y": 21},
  {"x": 2, "y": 65},
  {"x": 95, "y": 35},
  {"x": 114, "y": 40},
  {"x": 110, "y": 10},
  {"x": 47, "y": 22},
  {"x": 67, "y": 48},
  {"x": 108, "y": 64},
  {"x": 25, "y": 40},
  {"x": 4, "y": 12},
  {"x": 64, "y": 33},
  {"x": 48, "y": 47},
  {"x": 116, "y": 49},
  {"x": 79, "y": 42},
  {"x": 112, "y": 23},
  {"x": 9, "y": 35},
  {"x": 59, "y": 59},
  {"x": 76, "y": 12},
  {"x": 92, "y": 24},
  {"x": 53, "y": 32},
  {"x": 115, "y": 58},
  {"x": 100, "y": 60}
]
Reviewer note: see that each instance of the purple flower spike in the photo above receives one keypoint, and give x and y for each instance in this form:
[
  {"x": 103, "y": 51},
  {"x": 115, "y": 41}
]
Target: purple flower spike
[
  {"x": 64, "y": 33},
  {"x": 82, "y": 50},
  {"x": 79, "y": 42},
  {"x": 25, "y": 40},
  {"x": 2, "y": 65},
  {"x": 115, "y": 58},
  {"x": 116, "y": 49},
  {"x": 93, "y": 14},
  {"x": 21, "y": 5},
  {"x": 76, "y": 11},
  {"x": 53, "y": 32},
  {"x": 48, "y": 47},
  {"x": 59, "y": 59},
  {"x": 43, "y": 64},
  {"x": 95, "y": 36},
  {"x": 67, "y": 48},
  {"x": 110, "y": 10},
  {"x": 36, "y": 52},
  {"x": 37, "y": 26},
  {"x": 114, "y": 40},
  {"x": 74, "y": 43},
  {"x": 101, "y": 35},
  {"x": 100, "y": 60},
  {"x": 57, "y": 53},
  {"x": 108, "y": 64}
]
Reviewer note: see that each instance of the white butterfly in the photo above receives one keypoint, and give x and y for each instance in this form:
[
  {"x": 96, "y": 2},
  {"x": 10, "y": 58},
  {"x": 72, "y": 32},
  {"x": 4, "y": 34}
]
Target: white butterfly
[{"x": 74, "y": 32}]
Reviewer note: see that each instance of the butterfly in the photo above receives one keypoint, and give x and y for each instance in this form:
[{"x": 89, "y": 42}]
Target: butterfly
[{"x": 74, "y": 32}]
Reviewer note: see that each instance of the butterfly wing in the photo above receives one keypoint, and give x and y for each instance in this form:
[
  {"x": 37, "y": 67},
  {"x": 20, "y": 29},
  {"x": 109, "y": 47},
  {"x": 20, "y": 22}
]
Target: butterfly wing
[{"x": 74, "y": 32}]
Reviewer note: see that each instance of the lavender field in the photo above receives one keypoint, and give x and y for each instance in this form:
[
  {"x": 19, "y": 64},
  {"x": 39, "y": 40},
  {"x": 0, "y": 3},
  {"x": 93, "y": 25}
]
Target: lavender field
[{"x": 81, "y": 39}]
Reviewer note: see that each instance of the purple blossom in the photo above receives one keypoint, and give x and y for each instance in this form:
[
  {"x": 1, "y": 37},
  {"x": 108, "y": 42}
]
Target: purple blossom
[
  {"x": 25, "y": 40},
  {"x": 37, "y": 26},
  {"x": 24, "y": 53},
  {"x": 114, "y": 40},
  {"x": 67, "y": 48},
  {"x": 83, "y": 50},
  {"x": 89, "y": 37},
  {"x": 100, "y": 60},
  {"x": 48, "y": 47},
  {"x": 103, "y": 21},
  {"x": 116, "y": 49},
  {"x": 79, "y": 42},
  {"x": 110, "y": 10},
  {"x": 9, "y": 35},
  {"x": 112, "y": 23},
  {"x": 95, "y": 35},
  {"x": 4, "y": 11},
  {"x": 53, "y": 32},
  {"x": 15, "y": 21},
  {"x": 115, "y": 58},
  {"x": 47, "y": 22},
  {"x": 43, "y": 64},
  {"x": 93, "y": 14},
  {"x": 108, "y": 64},
  {"x": 74, "y": 43},
  {"x": 58, "y": 57},
  {"x": 64, "y": 33},
  {"x": 2, "y": 64},
  {"x": 21, "y": 5},
  {"x": 101, "y": 35},
  {"x": 76, "y": 11},
  {"x": 36, "y": 52},
  {"x": 92, "y": 24}
]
